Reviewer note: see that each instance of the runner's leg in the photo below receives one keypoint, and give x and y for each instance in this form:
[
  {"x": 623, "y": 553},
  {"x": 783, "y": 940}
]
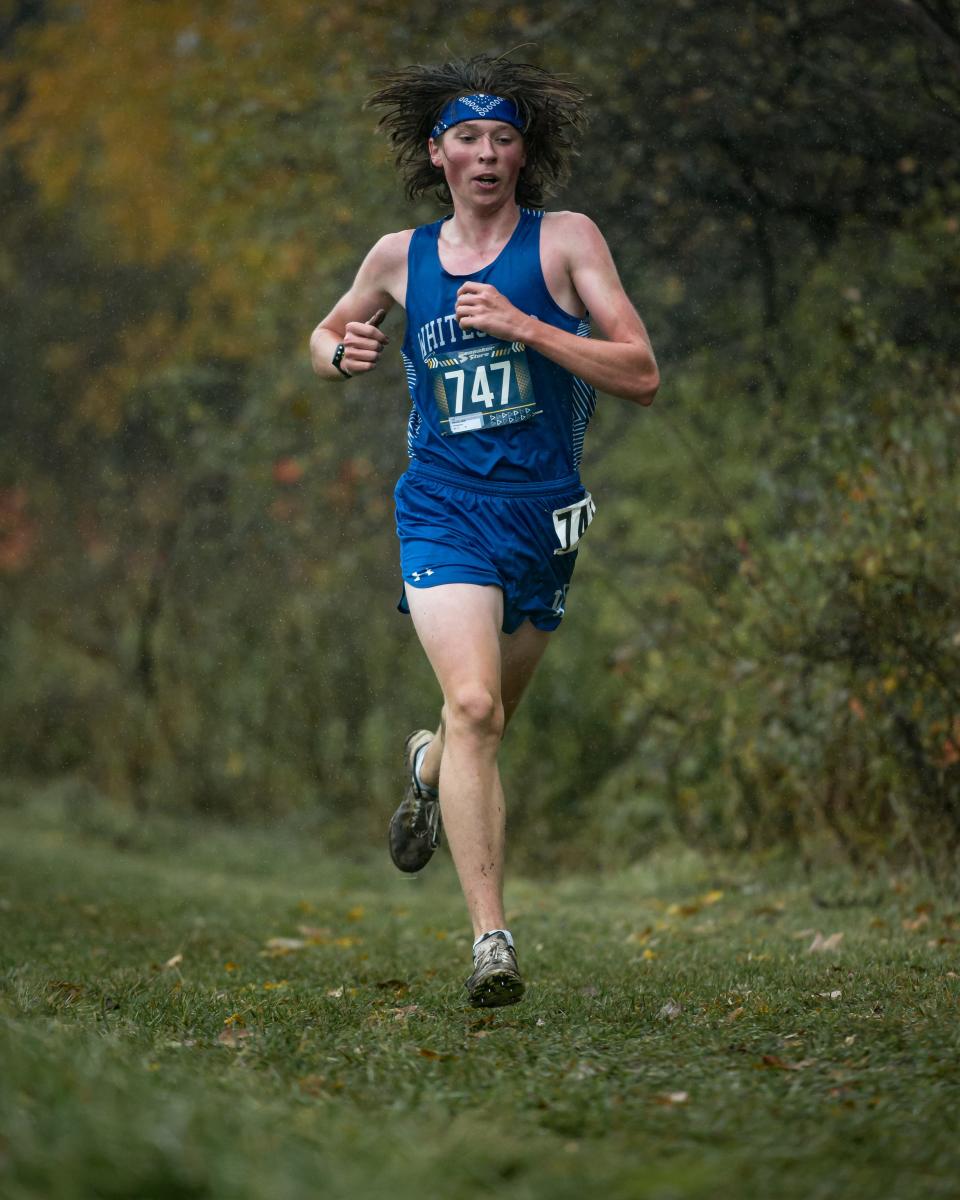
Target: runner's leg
[
  {"x": 520, "y": 654},
  {"x": 458, "y": 625}
]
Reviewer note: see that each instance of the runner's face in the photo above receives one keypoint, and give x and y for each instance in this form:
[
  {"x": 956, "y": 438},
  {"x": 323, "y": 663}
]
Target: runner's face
[{"x": 481, "y": 160}]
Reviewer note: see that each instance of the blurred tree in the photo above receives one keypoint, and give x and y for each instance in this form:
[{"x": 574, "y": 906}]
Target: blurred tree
[{"x": 191, "y": 533}]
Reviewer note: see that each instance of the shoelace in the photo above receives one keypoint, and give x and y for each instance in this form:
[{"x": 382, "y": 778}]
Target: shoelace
[
  {"x": 429, "y": 806},
  {"x": 492, "y": 952}
]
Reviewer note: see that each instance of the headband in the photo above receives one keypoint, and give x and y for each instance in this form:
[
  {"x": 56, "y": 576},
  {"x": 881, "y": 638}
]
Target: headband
[{"x": 479, "y": 107}]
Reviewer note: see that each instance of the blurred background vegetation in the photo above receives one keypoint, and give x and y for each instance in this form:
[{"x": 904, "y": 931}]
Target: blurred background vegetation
[{"x": 197, "y": 560}]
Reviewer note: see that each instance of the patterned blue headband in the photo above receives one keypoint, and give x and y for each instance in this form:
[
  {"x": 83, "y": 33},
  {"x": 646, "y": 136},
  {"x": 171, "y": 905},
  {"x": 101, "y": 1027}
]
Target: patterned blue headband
[{"x": 479, "y": 107}]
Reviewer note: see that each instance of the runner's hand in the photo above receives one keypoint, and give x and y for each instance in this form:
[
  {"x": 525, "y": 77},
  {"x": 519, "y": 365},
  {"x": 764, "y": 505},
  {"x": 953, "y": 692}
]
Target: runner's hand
[
  {"x": 363, "y": 344},
  {"x": 480, "y": 306}
]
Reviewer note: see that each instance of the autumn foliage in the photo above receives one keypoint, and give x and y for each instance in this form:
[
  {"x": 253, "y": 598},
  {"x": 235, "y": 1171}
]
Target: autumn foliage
[{"x": 196, "y": 550}]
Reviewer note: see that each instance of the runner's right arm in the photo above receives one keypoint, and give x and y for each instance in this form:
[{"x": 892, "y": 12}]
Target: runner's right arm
[{"x": 380, "y": 283}]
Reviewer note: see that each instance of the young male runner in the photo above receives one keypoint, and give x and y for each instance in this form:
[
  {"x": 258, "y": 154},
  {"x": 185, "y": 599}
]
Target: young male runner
[{"x": 500, "y": 297}]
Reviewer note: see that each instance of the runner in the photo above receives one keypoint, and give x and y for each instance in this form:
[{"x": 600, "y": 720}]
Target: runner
[{"x": 500, "y": 297}]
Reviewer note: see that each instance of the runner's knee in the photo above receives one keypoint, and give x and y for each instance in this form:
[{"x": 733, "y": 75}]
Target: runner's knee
[{"x": 473, "y": 708}]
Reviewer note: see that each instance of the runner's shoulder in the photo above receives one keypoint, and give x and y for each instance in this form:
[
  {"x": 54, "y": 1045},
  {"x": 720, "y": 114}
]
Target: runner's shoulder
[
  {"x": 390, "y": 251},
  {"x": 576, "y": 226}
]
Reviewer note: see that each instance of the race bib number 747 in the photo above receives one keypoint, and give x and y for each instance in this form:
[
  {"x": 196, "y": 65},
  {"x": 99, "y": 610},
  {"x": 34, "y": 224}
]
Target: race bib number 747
[{"x": 482, "y": 387}]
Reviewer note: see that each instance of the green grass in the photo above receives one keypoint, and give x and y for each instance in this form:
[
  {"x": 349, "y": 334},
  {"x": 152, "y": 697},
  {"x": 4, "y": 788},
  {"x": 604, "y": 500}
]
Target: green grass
[{"x": 678, "y": 1039}]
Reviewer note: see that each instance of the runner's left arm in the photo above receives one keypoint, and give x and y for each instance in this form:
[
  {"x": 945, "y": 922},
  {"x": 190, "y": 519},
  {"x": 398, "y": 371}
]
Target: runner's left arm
[{"x": 622, "y": 364}]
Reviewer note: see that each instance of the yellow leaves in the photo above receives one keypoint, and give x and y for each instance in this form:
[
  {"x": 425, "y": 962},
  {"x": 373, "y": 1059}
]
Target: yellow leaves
[
  {"x": 641, "y": 936},
  {"x": 278, "y": 947},
  {"x": 671, "y": 1099},
  {"x": 691, "y": 908}
]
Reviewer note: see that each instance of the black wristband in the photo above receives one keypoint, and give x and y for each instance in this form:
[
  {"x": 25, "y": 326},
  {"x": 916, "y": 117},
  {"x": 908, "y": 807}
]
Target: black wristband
[{"x": 337, "y": 357}]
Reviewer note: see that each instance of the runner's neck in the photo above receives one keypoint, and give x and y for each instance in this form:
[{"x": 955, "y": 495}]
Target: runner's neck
[{"x": 483, "y": 234}]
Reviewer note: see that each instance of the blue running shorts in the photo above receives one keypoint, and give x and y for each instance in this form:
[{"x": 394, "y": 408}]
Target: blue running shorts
[{"x": 521, "y": 537}]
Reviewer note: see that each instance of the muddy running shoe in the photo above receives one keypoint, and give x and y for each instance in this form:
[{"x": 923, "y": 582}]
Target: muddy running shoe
[
  {"x": 496, "y": 977},
  {"x": 415, "y": 827}
]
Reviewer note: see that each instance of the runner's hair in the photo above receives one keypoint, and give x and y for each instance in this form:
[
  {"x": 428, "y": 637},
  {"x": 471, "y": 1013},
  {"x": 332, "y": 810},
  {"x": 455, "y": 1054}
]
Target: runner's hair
[{"x": 413, "y": 97}]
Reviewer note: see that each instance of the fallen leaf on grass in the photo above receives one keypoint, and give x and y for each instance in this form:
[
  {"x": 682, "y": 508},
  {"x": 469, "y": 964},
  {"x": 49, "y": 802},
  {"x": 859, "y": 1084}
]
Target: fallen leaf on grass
[
  {"x": 912, "y": 924},
  {"x": 641, "y": 936},
  {"x": 401, "y": 1014},
  {"x": 781, "y": 1064},
  {"x": 271, "y": 985},
  {"x": 231, "y": 966},
  {"x": 173, "y": 962},
  {"x": 670, "y": 1099},
  {"x": 825, "y": 945},
  {"x": 313, "y": 1085},
  {"x": 692, "y": 907},
  {"x": 317, "y": 934},
  {"x": 285, "y": 944},
  {"x": 735, "y": 1015},
  {"x": 233, "y": 1036},
  {"x": 356, "y": 913},
  {"x": 64, "y": 991},
  {"x": 670, "y": 1011},
  {"x": 435, "y": 1055},
  {"x": 834, "y": 995},
  {"x": 649, "y": 954},
  {"x": 540, "y": 1021}
]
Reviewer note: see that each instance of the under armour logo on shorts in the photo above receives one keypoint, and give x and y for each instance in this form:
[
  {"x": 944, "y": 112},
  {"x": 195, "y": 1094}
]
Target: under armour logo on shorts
[{"x": 416, "y": 576}]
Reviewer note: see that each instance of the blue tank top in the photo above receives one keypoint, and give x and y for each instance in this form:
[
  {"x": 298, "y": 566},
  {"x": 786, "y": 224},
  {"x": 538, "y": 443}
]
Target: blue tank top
[{"x": 482, "y": 407}]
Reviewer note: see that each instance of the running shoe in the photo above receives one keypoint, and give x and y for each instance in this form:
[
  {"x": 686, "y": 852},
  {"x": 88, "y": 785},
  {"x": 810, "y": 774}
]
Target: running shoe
[
  {"x": 415, "y": 827},
  {"x": 496, "y": 977}
]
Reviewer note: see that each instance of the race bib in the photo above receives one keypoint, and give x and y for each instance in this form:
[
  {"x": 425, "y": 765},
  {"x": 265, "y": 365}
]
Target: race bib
[
  {"x": 572, "y": 522},
  {"x": 482, "y": 387}
]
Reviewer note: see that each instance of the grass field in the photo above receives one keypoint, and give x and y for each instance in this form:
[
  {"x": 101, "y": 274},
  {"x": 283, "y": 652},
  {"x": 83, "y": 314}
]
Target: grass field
[{"x": 691, "y": 1029}]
